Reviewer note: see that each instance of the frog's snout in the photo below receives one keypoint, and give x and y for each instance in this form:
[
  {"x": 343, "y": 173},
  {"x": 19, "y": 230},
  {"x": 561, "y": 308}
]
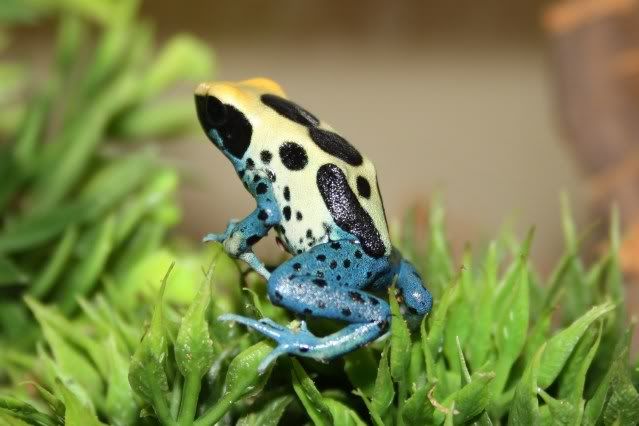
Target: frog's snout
[{"x": 211, "y": 112}]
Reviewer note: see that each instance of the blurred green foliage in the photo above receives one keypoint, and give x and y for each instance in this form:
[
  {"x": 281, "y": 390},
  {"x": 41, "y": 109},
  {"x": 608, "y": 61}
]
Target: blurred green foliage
[
  {"x": 85, "y": 199},
  {"x": 497, "y": 349}
]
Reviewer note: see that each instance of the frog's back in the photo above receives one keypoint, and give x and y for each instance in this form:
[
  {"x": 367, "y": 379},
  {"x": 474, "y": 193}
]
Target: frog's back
[{"x": 324, "y": 187}]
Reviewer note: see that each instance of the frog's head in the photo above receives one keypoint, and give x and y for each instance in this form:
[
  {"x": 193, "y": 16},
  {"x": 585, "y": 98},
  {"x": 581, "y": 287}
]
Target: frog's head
[{"x": 229, "y": 112}]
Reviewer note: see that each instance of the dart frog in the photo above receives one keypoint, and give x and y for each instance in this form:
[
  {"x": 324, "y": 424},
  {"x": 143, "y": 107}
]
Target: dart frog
[{"x": 320, "y": 196}]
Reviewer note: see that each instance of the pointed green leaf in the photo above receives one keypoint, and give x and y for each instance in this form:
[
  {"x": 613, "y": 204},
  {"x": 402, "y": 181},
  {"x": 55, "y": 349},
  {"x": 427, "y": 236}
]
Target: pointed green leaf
[
  {"x": 70, "y": 332},
  {"x": 309, "y": 396},
  {"x": 76, "y": 413},
  {"x": 85, "y": 275},
  {"x": 439, "y": 266},
  {"x": 72, "y": 363},
  {"x": 194, "y": 351},
  {"x": 511, "y": 328},
  {"x": 120, "y": 403},
  {"x": 623, "y": 405},
  {"x": 10, "y": 273},
  {"x": 400, "y": 340},
  {"x": 470, "y": 400},
  {"x": 358, "y": 366},
  {"x": 269, "y": 415},
  {"x": 561, "y": 345},
  {"x": 377, "y": 421},
  {"x": 437, "y": 321},
  {"x": 25, "y": 412},
  {"x": 572, "y": 380},
  {"x": 242, "y": 376},
  {"x": 525, "y": 408},
  {"x": 562, "y": 412},
  {"x": 343, "y": 414},
  {"x": 147, "y": 374},
  {"x": 384, "y": 391},
  {"x": 417, "y": 410},
  {"x": 479, "y": 346},
  {"x": 47, "y": 277}
]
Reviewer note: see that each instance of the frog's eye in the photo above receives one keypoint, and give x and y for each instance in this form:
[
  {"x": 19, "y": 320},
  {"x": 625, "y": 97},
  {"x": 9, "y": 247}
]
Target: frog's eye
[{"x": 216, "y": 113}]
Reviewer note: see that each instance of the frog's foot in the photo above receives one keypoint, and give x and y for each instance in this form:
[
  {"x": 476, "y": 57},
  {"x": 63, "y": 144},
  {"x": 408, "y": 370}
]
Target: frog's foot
[
  {"x": 297, "y": 342},
  {"x": 302, "y": 342},
  {"x": 213, "y": 237},
  {"x": 230, "y": 227}
]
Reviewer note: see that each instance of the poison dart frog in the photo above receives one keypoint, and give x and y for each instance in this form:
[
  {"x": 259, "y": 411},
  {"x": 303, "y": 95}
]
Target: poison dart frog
[{"x": 321, "y": 197}]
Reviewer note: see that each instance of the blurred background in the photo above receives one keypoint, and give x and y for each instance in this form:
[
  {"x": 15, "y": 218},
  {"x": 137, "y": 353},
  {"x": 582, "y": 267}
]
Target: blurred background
[
  {"x": 497, "y": 105},
  {"x": 456, "y": 97}
]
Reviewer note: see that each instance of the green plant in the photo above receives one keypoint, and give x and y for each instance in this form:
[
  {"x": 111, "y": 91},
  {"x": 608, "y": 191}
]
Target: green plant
[
  {"x": 489, "y": 353},
  {"x": 83, "y": 194}
]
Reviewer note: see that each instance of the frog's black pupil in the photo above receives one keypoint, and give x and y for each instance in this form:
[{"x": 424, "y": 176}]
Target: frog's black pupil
[{"x": 215, "y": 111}]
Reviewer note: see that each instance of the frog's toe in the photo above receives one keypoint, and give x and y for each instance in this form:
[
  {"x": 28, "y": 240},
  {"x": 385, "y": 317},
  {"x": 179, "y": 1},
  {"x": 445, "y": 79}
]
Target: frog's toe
[
  {"x": 272, "y": 356},
  {"x": 268, "y": 328},
  {"x": 213, "y": 237}
]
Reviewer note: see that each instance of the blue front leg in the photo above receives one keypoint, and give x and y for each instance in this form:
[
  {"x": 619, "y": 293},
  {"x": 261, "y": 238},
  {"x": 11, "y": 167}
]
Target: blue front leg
[
  {"x": 240, "y": 236},
  {"x": 327, "y": 282}
]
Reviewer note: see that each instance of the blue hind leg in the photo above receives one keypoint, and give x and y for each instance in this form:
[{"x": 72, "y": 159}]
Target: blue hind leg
[{"x": 326, "y": 282}]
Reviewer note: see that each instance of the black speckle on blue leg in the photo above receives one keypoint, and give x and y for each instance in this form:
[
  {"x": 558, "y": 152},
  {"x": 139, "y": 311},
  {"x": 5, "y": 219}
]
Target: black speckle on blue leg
[{"x": 261, "y": 188}]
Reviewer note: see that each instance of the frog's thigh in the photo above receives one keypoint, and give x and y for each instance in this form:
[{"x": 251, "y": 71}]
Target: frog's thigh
[{"x": 326, "y": 281}]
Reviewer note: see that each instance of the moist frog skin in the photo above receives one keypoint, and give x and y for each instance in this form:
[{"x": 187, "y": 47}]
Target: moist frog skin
[{"x": 320, "y": 196}]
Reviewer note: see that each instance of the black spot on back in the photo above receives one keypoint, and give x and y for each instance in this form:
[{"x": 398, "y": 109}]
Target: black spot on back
[
  {"x": 293, "y": 156},
  {"x": 287, "y": 193},
  {"x": 363, "y": 187},
  {"x": 287, "y": 212},
  {"x": 266, "y": 156},
  {"x": 346, "y": 210},
  {"x": 298, "y": 215},
  {"x": 231, "y": 124},
  {"x": 290, "y": 110},
  {"x": 337, "y": 146}
]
